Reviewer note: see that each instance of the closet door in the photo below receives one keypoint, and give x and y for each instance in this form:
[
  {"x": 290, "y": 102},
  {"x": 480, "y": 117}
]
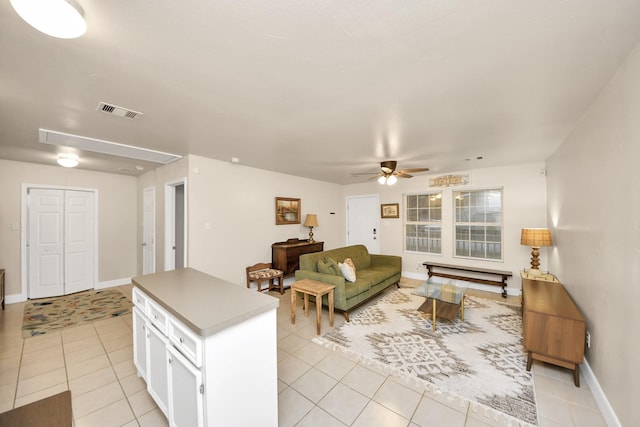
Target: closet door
[
  {"x": 78, "y": 241},
  {"x": 61, "y": 242},
  {"x": 46, "y": 243}
]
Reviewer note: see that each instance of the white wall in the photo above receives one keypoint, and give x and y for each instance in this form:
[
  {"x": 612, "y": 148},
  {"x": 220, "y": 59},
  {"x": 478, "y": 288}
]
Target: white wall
[
  {"x": 232, "y": 215},
  {"x": 117, "y": 198},
  {"x": 524, "y": 205},
  {"x": 594, "y": 206}
]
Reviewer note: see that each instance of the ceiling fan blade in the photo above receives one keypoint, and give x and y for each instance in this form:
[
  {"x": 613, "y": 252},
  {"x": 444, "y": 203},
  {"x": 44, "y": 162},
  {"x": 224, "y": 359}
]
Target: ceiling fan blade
[
  {"x": 414, "y": 170},
  {"x": 401, "y": 174},
  {"x": 376, "y": 176}
]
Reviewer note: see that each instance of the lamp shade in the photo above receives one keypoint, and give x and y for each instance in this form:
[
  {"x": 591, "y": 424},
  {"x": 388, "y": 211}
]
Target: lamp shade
[
  {"x": 311, "y": 220},
  {"x": 536, "y": 237},
  {"x": 58, "y": 18}
]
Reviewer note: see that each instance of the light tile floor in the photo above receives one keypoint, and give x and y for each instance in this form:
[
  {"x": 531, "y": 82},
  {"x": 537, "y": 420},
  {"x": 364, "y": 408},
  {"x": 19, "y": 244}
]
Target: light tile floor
[{"x": 316, "y": 387}]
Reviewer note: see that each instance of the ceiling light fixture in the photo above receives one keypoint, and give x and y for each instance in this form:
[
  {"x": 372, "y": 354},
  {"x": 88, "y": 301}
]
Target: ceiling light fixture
[
  {"x": 68, "y": 160},
  {"x": 78, "y": 142},
  {"x": 63, "y": 19}
]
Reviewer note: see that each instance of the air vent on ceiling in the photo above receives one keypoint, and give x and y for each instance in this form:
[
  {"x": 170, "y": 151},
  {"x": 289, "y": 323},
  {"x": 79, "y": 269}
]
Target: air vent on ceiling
[
  {"x": 118, "y": 111},
  {"x": 105, "y": 147}
]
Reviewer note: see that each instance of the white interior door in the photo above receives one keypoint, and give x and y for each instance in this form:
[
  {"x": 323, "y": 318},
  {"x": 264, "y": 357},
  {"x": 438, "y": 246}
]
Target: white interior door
[
  {"x": 363, "y": 222},
  {"x": 78, "y": 241},
  {"x": 61, "y": 242},
  {"x": 149, "y": 231},
  {"x": 46, "y": 243}
]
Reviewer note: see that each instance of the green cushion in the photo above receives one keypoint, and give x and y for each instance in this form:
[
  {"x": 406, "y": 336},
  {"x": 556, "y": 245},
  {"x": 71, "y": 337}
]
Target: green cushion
[{"x": 328, "y": 266}]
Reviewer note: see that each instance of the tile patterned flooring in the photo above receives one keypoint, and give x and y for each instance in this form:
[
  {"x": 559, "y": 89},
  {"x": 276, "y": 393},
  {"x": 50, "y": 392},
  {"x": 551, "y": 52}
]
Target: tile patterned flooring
[{"x": 316, "y": 387}]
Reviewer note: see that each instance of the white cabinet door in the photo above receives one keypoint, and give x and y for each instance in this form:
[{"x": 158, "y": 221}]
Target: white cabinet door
[
  {"x": 140, "y": 342},
  {"x": 186, "y": 398},
  {"x": 157, "y": 368}
]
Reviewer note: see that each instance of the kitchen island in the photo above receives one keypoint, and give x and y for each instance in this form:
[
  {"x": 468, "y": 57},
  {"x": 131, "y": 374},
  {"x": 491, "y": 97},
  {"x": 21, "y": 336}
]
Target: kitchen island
[{"x": 206, "y": 348}]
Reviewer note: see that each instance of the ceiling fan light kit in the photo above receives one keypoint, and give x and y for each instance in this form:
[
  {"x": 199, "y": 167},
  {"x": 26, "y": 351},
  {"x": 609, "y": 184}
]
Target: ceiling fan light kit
[{"x": 62, "y": 19}]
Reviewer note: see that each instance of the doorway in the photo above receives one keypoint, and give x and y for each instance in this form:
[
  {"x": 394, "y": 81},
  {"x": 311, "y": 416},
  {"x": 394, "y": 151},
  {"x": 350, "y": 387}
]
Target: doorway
[
  {"x": 175, "y": 224},
  {"x": 59, "y": 255},
  {"x": 149, "y": 231},
  {"x": 363, "y": 222}
]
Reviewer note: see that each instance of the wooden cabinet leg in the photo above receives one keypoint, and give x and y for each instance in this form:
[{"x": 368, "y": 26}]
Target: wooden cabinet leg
[
  {"x": 576, "y": 376},
  {"x": 529, "y": 361}
]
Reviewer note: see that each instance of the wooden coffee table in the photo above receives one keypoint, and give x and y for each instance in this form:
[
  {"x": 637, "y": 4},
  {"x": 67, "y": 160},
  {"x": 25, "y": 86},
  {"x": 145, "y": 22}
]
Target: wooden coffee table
[{"x": 317, "y": 289}]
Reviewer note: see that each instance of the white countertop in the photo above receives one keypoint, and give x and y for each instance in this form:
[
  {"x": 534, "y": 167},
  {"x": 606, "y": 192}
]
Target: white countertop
[{"x": 204, "y": 303}]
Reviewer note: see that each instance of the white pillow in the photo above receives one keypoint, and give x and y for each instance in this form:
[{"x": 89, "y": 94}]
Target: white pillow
[{"x": 348, "y": 272}]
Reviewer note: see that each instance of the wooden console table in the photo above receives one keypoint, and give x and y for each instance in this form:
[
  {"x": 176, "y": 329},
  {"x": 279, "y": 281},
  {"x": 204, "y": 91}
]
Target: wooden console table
[
  {"x": 285, "y": 255},
  {"x": 504, "y": 275},
  {"x": 554, "y": 329}
]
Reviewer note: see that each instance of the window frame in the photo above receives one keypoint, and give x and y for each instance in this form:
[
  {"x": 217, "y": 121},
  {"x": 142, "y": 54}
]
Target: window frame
[
  {"x": 484, "y": 224},
  {"x": 429, "y": 224}
]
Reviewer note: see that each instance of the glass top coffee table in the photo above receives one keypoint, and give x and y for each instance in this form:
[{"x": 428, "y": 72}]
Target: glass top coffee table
[{"x": 444, "y": 300}]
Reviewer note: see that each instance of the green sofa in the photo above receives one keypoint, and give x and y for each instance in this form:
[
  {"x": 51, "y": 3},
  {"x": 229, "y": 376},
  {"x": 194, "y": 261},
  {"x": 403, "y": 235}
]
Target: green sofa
[{"x": 374, "y": 273}]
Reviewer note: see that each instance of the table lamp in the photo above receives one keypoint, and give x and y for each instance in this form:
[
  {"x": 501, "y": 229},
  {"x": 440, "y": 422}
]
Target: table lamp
[
  {"x": 535, "y": 237},
  {"x": 311, "y": 221}
]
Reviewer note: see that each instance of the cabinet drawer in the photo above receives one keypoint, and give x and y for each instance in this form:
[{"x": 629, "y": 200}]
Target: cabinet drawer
[
  {"x": 158, "y": 316},
  {"x": 188, "y": 343},
  {"x": 139, "y": 299}
]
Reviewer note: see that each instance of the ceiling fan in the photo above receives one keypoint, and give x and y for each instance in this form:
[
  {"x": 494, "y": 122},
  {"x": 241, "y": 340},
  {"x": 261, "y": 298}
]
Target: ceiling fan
[{"x": 389, "y": 175}]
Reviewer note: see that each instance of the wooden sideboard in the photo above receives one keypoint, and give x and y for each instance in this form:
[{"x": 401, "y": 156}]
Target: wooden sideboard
[
  {"x": 554, "y": 329},
  {"x": 285, "y": 255}
]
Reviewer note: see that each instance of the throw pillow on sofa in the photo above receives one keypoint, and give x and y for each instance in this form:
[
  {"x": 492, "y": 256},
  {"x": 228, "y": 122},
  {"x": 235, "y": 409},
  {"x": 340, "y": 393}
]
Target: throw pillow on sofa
[
  {"x": 349, "y": 261},
  {"x": 348, "y": 272},
  {"x": 328, "y": 266}
]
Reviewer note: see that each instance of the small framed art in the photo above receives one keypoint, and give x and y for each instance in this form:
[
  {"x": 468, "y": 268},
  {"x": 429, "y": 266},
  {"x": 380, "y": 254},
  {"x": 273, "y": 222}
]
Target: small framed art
[
  {"x": 390, "y": 210},
  {"x": 287, "y": 211}
]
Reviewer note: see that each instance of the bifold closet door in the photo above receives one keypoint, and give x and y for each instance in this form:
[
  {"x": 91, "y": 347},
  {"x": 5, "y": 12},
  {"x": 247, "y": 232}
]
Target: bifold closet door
[{"x": 60, "y": 236}]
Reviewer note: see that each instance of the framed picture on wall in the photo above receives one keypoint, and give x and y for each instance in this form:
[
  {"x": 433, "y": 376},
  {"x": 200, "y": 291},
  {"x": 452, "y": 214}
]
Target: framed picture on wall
[
  {"x": 287, "y": 211},
  {"x": 390, "y": 210}
]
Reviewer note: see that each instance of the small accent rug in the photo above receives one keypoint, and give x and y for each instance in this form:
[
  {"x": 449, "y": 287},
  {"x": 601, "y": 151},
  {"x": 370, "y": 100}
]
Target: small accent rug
[
  {"x": 46, "y": 315},
  {"x": 481, "y": 360}
]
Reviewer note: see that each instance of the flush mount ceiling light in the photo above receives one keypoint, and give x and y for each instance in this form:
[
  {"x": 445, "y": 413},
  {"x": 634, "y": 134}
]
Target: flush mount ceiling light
[
  {"x": 63, "y": 19},
  {"x": 68, "y": 160},
  {"x": 78, "y": 142}
]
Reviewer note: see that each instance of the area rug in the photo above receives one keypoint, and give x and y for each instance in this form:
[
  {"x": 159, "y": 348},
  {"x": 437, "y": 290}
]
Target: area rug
[
  {"x": 46, "y": 315},
  {"x": 52, "y": 411},
  {"x": 480, "y": 360}
]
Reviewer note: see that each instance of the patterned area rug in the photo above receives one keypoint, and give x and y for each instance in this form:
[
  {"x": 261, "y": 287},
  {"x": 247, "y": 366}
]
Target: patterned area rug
[
  {"x": 481, "y": 360},
  {"x": 45, "y": 315}
]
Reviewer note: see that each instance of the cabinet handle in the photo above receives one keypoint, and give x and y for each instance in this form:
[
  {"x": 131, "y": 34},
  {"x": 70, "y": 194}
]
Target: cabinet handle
[
  {"x": 181, "y": 340},
  {"x": 170, "y": 360}
]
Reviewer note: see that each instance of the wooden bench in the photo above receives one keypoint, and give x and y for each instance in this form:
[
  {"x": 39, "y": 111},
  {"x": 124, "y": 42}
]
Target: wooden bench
[{"x": 504, "y": 275}]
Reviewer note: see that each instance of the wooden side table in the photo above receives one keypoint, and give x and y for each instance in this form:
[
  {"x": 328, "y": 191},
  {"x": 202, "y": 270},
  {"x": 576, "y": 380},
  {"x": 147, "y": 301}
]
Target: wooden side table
[{"x": 317, "y": 289}]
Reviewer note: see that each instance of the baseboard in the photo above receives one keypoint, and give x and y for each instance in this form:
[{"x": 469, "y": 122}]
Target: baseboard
[
  {"x": 609, "y": 415},
  {"x": 477, "y": 286},
  {"x": 14, "y": 298},
  {"x": 112, "y": 283}
]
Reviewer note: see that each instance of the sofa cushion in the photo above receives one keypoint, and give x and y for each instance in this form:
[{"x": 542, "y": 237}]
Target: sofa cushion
[
  {"x": 348, "y": 272},
  {"x": 328, "y": 266}
]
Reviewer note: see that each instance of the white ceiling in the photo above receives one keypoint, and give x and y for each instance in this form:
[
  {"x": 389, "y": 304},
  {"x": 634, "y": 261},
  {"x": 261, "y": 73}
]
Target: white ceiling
[{"x": 321, "y": 89}]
